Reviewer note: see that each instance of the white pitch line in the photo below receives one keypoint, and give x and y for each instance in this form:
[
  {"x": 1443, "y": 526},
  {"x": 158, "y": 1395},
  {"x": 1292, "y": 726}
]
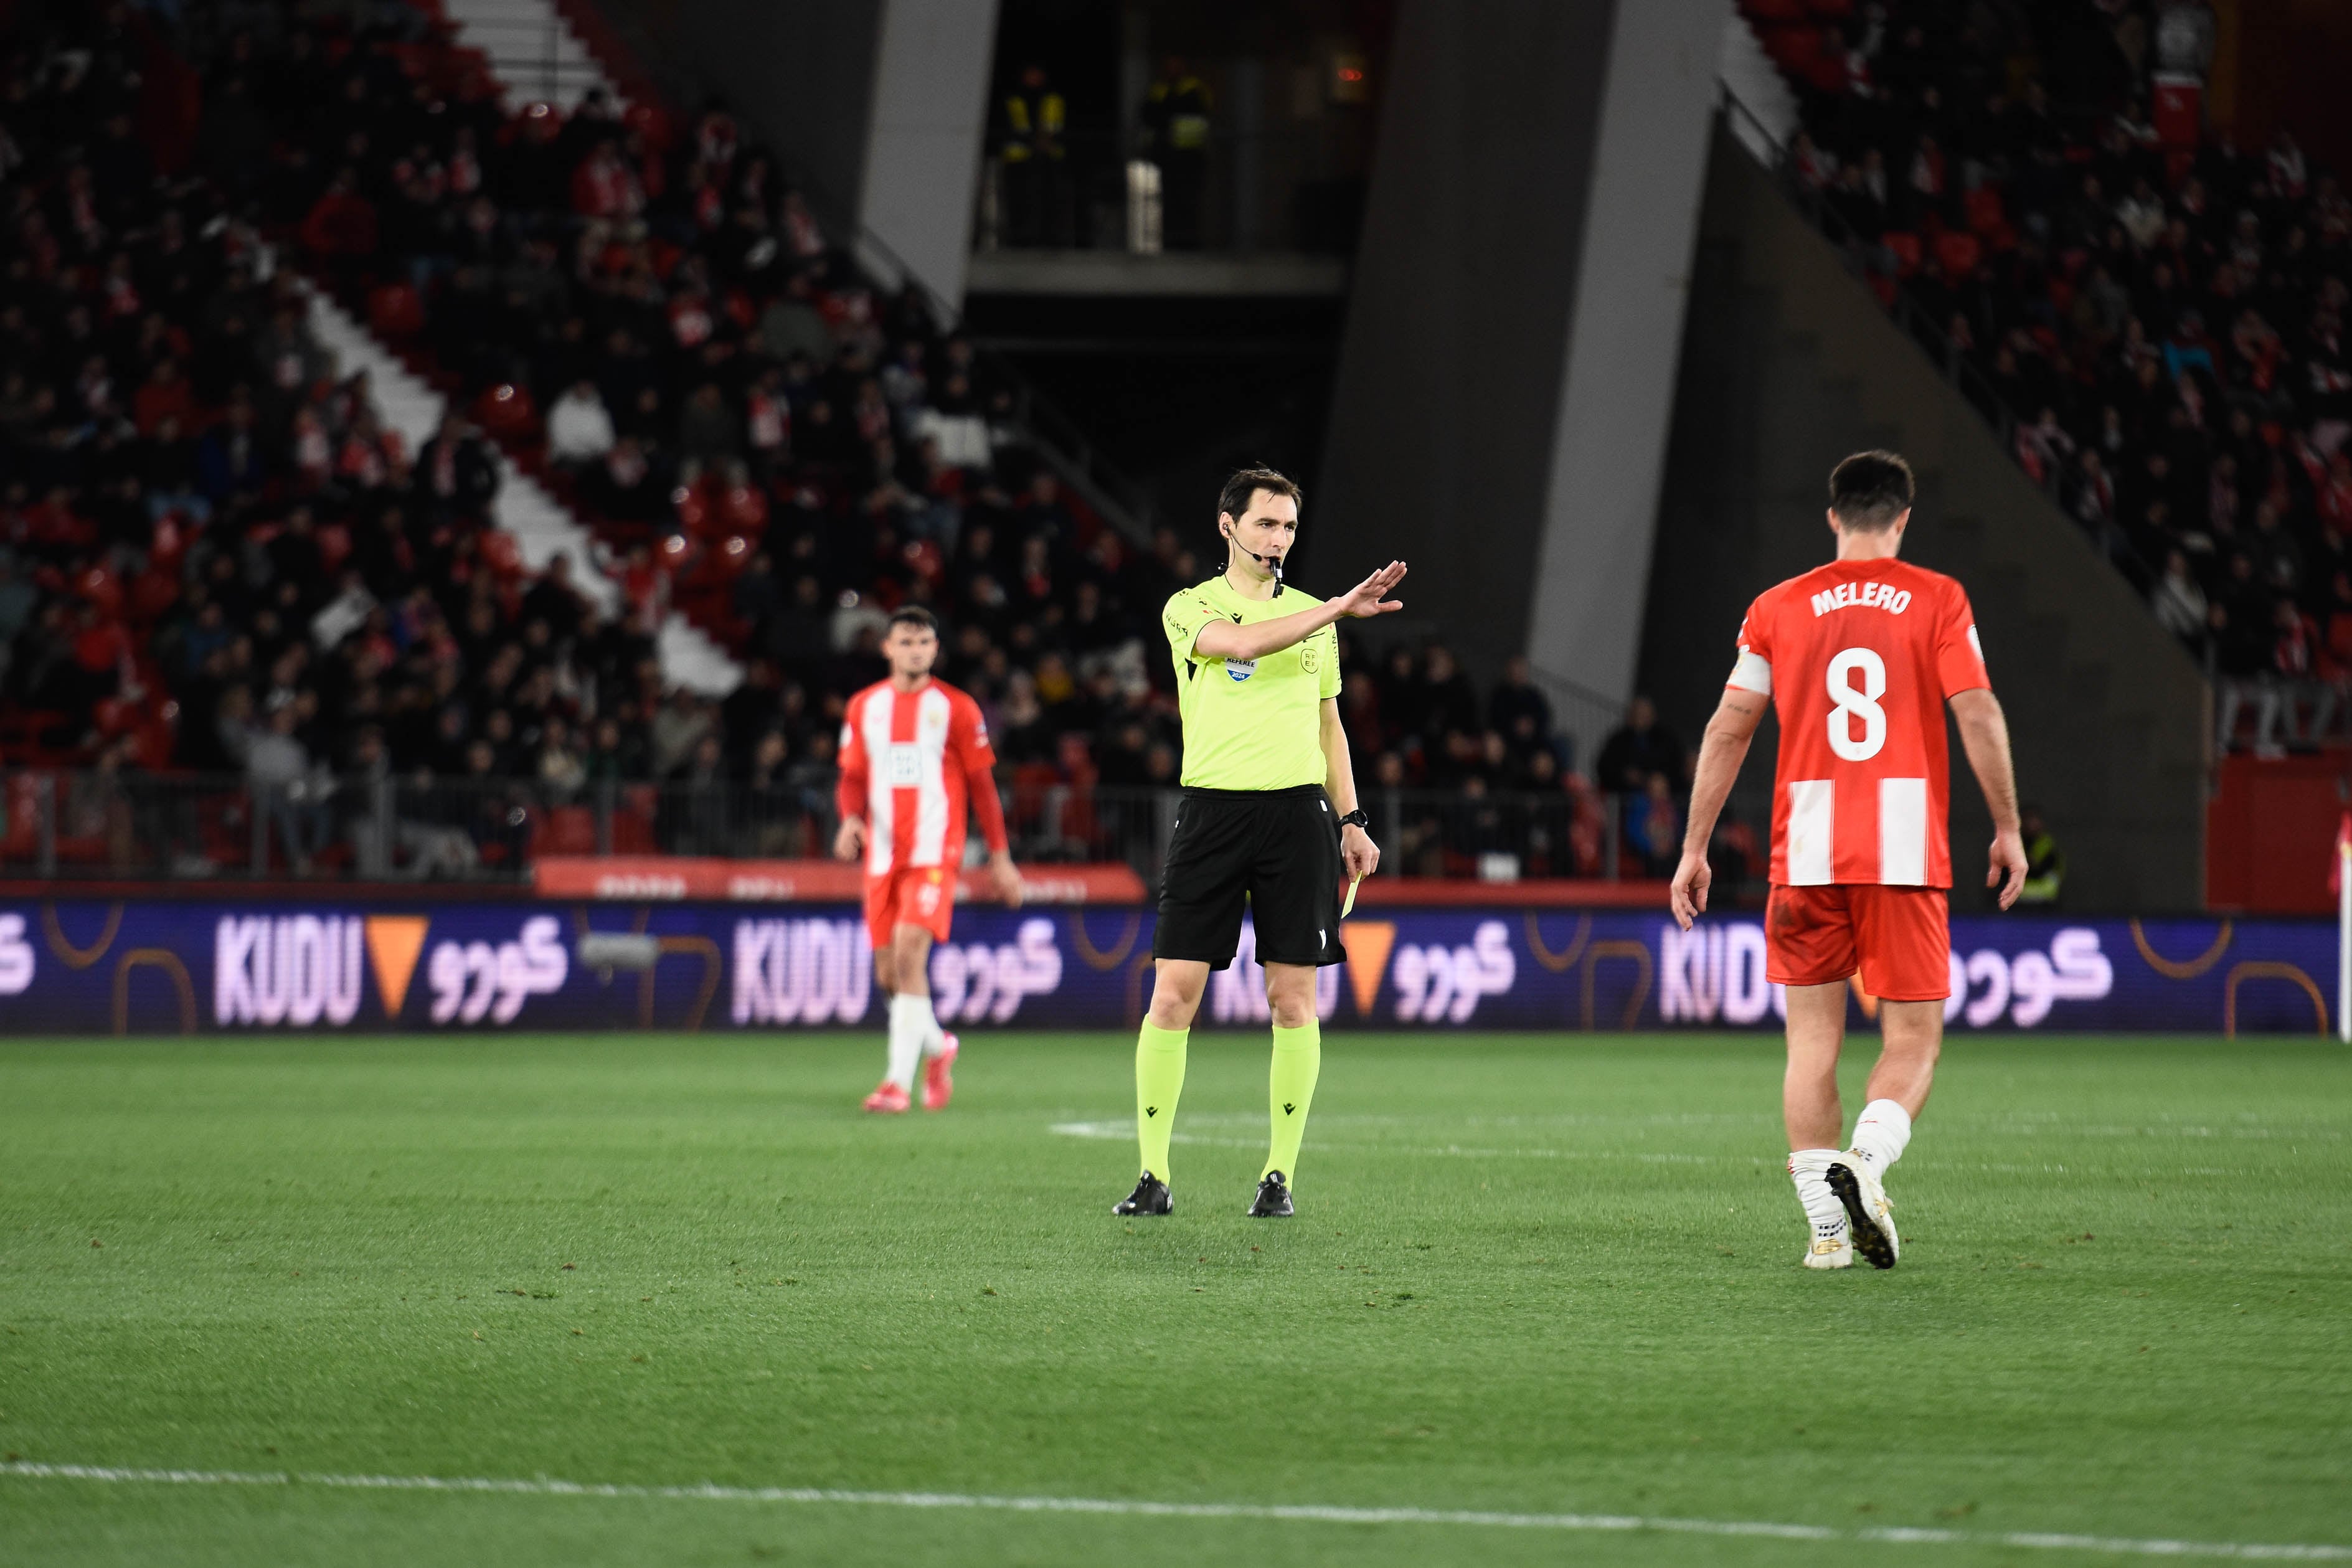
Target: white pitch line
[
  {"x": 1316, "y": 1514},
  {"x": 1119, "y": 1132}
]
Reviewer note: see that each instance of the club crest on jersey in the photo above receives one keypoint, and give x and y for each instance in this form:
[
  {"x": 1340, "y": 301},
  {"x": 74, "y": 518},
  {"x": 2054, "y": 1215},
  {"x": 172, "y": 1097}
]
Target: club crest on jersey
[
  {"x": 1241, "y": 668},
  {"x": 1310, "y": 658}
]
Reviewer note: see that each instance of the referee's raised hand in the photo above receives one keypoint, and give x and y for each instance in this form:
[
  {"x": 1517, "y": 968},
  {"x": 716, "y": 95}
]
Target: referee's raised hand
[{"x": 1370, "y": 597}]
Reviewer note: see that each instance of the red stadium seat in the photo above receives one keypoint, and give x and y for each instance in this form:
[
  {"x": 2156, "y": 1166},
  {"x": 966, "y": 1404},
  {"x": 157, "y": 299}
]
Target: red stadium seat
[
  {"x": 654, "y": 124},
  {"x": 334, "y": 547},
  {"x": 501, "y": 552},
  {"x": 744, "y": 508},
  {"x": 22, "y": 835},
  {"x": 565, "y": 830},
  {"x": 1958, "y": 254},
  {"x": 506, "y": 410},
  {"x": 396, "y": 310},
  {"x": 153, "y": 594},
  {"x": 632, "y": 821}
]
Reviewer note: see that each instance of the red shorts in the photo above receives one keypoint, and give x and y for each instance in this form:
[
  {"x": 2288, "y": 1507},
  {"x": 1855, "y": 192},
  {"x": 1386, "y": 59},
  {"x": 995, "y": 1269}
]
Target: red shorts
[
  {"x": 1899, "y": 938},
  {"x": 911, "y": 896}
]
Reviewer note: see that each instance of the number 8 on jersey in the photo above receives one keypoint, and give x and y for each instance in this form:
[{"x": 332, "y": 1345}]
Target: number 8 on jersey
[{"x": 1859, "y": 658}]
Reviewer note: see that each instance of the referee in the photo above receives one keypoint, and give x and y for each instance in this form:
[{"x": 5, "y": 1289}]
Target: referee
[{"x": 1267, "y": 822}]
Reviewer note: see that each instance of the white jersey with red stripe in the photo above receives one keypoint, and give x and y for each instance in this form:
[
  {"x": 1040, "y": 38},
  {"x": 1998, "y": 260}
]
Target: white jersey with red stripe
[
  {"x": 909, "y": 763},
  {"x": 1859, "y": 658}
]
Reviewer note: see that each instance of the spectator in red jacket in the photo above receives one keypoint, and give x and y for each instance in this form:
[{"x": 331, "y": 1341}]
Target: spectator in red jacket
[{"x": 342, "y": 223}]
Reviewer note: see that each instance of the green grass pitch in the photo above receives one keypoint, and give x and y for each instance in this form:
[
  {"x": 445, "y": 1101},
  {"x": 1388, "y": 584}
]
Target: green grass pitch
[{"x": 1551, "y": 1274}]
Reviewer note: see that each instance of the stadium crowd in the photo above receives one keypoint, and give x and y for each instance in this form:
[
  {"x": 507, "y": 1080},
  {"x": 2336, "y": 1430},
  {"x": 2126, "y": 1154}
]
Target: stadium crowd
[
  {"x": 216, "y": 558},
  {"x": 2164, "y": 314}
]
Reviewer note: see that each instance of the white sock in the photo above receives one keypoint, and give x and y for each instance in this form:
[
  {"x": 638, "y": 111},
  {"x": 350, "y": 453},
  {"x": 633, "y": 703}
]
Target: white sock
[
  {"x": 1880, "y": 1133},
  {"x": 906, "y": 1038},
  {"x": 927, "y": 1023},
  {"x": 1808, "y": 1168}
]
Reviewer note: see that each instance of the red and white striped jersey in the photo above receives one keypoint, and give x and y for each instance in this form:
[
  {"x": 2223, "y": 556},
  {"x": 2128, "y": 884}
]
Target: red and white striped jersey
[
  {"x": 910, "y": 762},
  {"x": 1858, "y": 658}
]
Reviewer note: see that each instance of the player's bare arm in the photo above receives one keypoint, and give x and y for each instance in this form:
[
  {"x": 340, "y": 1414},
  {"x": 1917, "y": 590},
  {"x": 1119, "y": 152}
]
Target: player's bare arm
[
  {"x": 1223, "y": 639},
  {"x": 849, "y": 841},
  {"x": 1984, "y": 736},
  {"x": 1719, "y": 756},
  {"x": 1005, "y": 877},
  {"x": 1358, "y": 853}
]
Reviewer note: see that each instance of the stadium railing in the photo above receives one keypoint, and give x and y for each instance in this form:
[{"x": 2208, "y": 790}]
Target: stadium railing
[
  {"x": 1282, "y": 189},
  {"x": 71, "y": 825},
  {"x": 2271, "y": 712}
]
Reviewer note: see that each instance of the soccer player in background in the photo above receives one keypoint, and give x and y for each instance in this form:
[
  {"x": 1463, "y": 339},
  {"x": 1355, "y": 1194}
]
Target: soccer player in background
[
  {"x": 1268, "y": 821},
  {"x": 914, "y": 751},
  {"x": 1859, "y": 658}
]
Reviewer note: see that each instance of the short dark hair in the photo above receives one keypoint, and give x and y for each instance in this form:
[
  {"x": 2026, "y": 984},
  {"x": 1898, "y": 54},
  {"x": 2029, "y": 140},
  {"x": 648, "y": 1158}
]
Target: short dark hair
[
  {"x": 914, "y": 616},
  {"x": 1870, "y": 490},
  {"x": 1234, "y": 499}
]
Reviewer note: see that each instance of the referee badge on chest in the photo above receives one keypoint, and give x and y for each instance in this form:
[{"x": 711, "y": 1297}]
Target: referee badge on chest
[
  {"x": 1310, "y": 658},
  {"x": 1241, "y": 668}
]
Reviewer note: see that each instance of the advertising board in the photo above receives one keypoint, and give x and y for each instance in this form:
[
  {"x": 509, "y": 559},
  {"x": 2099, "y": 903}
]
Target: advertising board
[{"x": 149, "y": 965}]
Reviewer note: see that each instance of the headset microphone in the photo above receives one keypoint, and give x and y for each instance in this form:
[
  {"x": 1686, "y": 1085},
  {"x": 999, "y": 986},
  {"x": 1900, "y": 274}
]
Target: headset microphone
[{"x": 1271, "y": 562}]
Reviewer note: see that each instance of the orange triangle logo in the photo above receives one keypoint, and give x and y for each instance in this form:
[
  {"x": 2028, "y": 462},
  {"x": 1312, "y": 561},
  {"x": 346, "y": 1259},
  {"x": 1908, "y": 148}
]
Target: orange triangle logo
[
  {"x": 394, "y": 941},
  {"x": 1368, "y": 943}
]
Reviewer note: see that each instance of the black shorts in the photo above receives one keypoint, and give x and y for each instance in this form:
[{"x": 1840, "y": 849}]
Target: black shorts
[{"x": 1272, "y": 852}]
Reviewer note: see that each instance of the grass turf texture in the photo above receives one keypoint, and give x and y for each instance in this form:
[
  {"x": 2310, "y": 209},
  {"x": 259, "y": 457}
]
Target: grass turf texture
[{"x": 1529, "y": 1273}]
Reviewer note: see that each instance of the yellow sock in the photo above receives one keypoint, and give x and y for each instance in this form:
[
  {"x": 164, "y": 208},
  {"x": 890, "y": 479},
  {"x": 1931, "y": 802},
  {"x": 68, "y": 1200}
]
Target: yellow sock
[
  {"x": 1158, "y": 1081},
  {"x": 1291, "y": 1089}
]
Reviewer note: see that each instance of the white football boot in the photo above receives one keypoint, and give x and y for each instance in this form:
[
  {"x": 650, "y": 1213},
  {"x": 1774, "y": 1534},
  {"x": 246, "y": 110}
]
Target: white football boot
[
  {"x": 1854, "y": 1177},
  {"x": 1831, "y": 1249}
]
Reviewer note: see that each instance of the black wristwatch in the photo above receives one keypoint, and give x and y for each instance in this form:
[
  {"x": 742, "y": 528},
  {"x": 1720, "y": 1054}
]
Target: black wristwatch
[{"x": 1357, "y": 818}]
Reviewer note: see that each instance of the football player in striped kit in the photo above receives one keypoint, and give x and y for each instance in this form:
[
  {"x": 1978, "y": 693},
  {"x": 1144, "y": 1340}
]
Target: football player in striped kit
[
  {"x": 914, "y": 755},
  {"x": 1859, "y": 658}
]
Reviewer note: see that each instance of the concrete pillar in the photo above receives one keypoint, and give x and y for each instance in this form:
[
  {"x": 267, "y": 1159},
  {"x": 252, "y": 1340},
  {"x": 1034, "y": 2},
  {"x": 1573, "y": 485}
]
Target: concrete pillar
[
  {"x": 1506, "y": 378},
  {"x": 923, "y": 140},
  {"x": 1632, "y": 284}
]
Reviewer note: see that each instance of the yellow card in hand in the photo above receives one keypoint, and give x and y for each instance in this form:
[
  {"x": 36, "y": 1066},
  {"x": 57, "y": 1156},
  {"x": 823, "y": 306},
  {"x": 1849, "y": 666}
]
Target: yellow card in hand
[{"x": 1348, "y": 907}]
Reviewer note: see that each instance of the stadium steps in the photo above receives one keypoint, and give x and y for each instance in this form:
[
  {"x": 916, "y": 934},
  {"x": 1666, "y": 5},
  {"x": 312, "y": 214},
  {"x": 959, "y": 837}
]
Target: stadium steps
[
  {"x": 1788, "y": 365},
  {"x": 533, "y": 49},
  {"x": 542, "y": 527}
]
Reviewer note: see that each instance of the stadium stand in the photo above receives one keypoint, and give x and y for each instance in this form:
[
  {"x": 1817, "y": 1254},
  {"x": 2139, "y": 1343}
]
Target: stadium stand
[
  {"x": 250, "y": 628},
  {"x": 2154, "y": 320}
]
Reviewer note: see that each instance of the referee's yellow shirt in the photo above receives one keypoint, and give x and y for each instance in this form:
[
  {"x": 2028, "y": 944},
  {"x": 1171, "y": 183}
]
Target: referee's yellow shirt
[{"x": 1250, "y": 724}]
